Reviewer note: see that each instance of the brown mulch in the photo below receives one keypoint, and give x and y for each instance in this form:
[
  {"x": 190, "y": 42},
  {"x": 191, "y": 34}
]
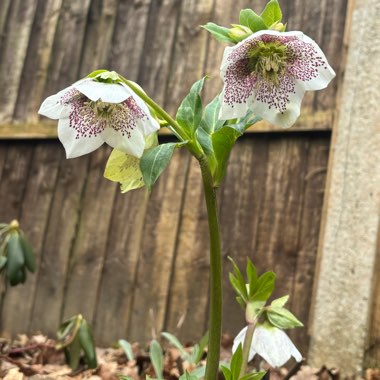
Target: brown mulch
[{"x": 36, "y": 358}]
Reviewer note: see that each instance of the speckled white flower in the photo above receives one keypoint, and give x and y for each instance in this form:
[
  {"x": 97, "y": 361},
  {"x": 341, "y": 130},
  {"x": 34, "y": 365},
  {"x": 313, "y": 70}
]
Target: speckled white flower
[
  {"x": 91, "y": 113},
  {"x": 269, "y": 72},
  {"x": 271, "y": 343}
]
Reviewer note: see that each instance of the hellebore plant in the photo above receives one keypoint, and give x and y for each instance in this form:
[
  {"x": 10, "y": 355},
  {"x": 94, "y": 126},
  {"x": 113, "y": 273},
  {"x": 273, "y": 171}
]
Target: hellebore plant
[{"x": 265, "y": 72}]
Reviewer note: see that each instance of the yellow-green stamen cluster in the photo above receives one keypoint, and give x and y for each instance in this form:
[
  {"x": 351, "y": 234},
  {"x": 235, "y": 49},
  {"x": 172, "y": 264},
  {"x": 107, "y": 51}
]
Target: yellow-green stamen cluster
[
  {"x": 268, "y": 59},
  {"x": 105, "y": 110}
]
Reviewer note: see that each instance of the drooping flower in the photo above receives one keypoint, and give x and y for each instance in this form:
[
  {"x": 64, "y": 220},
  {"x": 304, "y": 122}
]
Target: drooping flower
[
  {"x": 269, "y": 72},
  {"x": 92, "y": 112},
  {"x": 271, "y": 343}
]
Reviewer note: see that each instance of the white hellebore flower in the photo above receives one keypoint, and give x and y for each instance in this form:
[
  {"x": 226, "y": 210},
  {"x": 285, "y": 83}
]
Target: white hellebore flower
[
  {"x": 269, "y": 72},
  {"x": 92, "y": 112},
  {"x": 271, "y": 343}
]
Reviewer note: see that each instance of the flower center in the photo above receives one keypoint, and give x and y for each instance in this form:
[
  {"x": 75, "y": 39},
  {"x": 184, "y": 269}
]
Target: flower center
[
  {"x": 268, "y": 59},
  {"x": 104, "y": 110}
]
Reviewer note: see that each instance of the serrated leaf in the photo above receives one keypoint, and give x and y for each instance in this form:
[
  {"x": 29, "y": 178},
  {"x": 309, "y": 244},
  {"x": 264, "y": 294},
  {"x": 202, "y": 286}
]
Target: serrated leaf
[
  {"x": 251, "y": 20},
  {"x": 15, "y": 257},
  {"x": 127, "y": 348},
  {"x": 226, "y": 372},
  {"x": 280, "y": 302},
  {"x": 210, "y": 121},
  {"x": 175, "y": 342},
  {"x": 87, "y": 342},
  {"x": 154, "y": 161},
  {"x": 245, "y": 122},
  {"x": 282, "y": 318},
  {"x": 220, "y": 33},
  {"x": 30, "y": 260},
  {"x": 264, "y": 288},
  {"x": 223, "y": 141},
  {"x": 253, "y": 376},
  {"x": 236, "y": 363},
  {"x": 272, "y": 13},
  {"x": 156, "y": 357},
  {"x": 189, "y": 114}
]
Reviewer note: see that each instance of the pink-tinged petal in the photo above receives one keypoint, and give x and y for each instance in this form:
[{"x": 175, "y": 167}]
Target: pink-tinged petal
[
  {"x": 76, "y": 144},
  {"x": 106, "y": 92},
  {"x": 133, "y": 143},
  {"x": 53, "y": 106}
]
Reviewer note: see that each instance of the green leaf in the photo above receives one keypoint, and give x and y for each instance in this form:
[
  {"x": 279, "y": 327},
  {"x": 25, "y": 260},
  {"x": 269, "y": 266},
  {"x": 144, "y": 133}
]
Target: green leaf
[
  {"x": 127, "y": 348},
  {"x": 199, "y": 372},
  {"x": 154, "y": 161},
  {"x": 175, "y": 342},
  {"x": 220, "y": 33},
  {"x": 239, "y": 281},
  {"x": 123, "y": 377},
  {"x": 223, "y": 141},
  {"x": 251, "y": 274},
  {"x": 280, "y": 302},
  {"x": 254, "y": 376},
  {"x": 73, "y": 353},
  {"x": 210, "y": 121},
  {"x": 18, "y": 278},
  {"x": 272, "y": 13},
  {"x": 189, "y": 113},
  {"x": 30, "y": 260},
  {"x": 87, "y": 342},
  {"x": 245, "y": 122},
  {"x": 156, "y": 357},
  {"x": 264, "y": 287},
  {"x": 236, "y": 363},
  {"x": 201, "y": 348},
  {"x": 226, "y": 372},
  {"x": 15, "y": 258},
  {"x": 188, "y": 376},
  {"x": 282, "y": 318},
  {"x": 252, "y": 20}
]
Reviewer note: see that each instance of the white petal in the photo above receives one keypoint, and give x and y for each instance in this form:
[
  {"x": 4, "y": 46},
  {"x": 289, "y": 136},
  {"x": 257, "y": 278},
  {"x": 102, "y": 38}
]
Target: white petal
[
  {"x": 133, "y": 145},
  {"x": 239, "y": 339},
  {"x": 106, "y": 92},
  {"x": 273, "y": 345},
  {"x": 52, "y": 107},
  {"x": 75, "y": 145},
  {"x": 234, "y": 111}
]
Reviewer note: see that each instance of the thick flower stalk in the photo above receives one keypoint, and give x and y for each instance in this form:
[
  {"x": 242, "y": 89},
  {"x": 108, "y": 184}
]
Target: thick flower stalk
[
  {"x": 271, "y": 343},
  {"x": 100, "y": 110},
  {"x": 269, "y": 72}
]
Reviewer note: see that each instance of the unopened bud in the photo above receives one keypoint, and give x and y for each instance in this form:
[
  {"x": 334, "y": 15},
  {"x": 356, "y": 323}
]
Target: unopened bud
[
  {"x": 239, "y": 32},
  {"x": 278, "y": 26}
]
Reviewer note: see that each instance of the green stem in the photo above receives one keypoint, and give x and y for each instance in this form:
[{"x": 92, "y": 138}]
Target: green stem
[
  {"x": 175, "y": 127},
  {"x": 215, "y": 316},
  {"x": 247, "y": 346}
]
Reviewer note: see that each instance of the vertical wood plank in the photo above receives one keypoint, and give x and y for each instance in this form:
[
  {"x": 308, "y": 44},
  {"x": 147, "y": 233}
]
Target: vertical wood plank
[
  {"x": 188, "y": 297},
  {"x": 13, "y": 52},
  {"x": 128, "y": 39},
  {"x": 120, "y": 266},
  {"x": 39, "y": 54},
  {"x": 34, "y": 217},
  {"x": 60, "y": 235},
  {"x": 87, "y": 256},
  {"x": 157, "y": 252}
]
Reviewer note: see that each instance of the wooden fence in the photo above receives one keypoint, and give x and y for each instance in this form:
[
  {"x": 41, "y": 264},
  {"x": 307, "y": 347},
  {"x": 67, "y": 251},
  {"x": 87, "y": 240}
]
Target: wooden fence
[{"x": 137, "y": 263}]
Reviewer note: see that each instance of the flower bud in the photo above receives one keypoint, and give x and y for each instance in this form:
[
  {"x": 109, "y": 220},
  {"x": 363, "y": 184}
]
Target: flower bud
[{"x": 239, "y": 32}]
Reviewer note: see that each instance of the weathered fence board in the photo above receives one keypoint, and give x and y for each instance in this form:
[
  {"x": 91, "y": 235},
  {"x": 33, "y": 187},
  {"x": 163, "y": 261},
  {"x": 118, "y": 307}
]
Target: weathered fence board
[{"x": 115, "y": 257}]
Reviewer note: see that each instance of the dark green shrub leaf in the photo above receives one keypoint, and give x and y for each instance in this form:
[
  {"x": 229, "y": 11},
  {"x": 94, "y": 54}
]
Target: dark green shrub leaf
[
  {"x": 87, "y": 343},
  {"x": 30, "y": 260},
  {"x": 15, "y": 259}
]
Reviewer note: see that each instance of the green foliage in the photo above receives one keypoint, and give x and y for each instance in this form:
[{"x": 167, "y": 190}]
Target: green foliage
[
  {"x": 196, "y": 353},
  {"x": 272, "y": 13},
  {"x": 16, "y": 254},
  {"x": 220, "y": 33},
  {"x": 74, "y": 337},
  {"x": 280, "y": 317},
  {"x": 125, "y": 169},
  {"x": 189, "y": 113},
  {"x": 157, "y": 359},
  {"x": 127, "y": 348},
  {"x": 154, "y": 161},
  {"x": 251, "y": 20}
]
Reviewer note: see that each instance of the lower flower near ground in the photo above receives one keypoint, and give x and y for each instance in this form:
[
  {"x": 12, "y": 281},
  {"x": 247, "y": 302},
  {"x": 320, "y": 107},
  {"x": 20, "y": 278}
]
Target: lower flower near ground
[
  {"x": 269, "y": 72},
  {"x": 271, "y": 343},
  {"x": 92, "y": 112}
]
